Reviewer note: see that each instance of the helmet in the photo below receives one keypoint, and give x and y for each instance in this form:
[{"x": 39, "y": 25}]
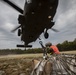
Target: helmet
[{"x": 48, "y": 44}]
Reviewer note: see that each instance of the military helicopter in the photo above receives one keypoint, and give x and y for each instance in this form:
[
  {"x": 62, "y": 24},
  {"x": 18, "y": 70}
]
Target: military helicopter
[{"x": 36, "y": 16}]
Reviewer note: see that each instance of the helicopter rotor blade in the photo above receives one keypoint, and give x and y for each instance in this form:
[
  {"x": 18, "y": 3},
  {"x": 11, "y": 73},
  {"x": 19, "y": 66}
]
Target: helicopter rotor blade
[
  {"x": 12, "y": 4},
  {"x": 55, "y": 30},
  {"x": 16, "y": 28}
]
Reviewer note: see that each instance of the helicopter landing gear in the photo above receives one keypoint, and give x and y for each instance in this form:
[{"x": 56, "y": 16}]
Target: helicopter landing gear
[
  {"x": 19, "y": 32},
  {"x": 46, "y": 35}
]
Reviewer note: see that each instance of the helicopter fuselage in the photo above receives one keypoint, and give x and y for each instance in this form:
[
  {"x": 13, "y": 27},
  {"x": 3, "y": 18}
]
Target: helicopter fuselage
[
  {"x": 37, "y": 16},
  {"x": 34, "y": 19}
]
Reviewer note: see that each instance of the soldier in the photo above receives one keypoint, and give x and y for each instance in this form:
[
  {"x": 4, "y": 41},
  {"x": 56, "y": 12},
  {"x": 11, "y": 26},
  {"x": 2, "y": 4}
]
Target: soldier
[{"x": 52, "y": 49}]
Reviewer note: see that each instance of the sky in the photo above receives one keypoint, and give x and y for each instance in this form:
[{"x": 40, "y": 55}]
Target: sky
[{"x": 65, "y": 23}]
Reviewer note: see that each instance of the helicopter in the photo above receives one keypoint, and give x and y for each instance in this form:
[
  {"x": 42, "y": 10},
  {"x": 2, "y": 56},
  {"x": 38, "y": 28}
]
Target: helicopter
[{"x": 36, "y": 17}]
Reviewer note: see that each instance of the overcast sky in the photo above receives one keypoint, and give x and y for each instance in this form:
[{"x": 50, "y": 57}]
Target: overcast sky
[{"x": 65, "y": 22}]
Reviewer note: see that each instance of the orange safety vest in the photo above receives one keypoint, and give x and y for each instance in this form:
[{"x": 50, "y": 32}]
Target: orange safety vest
[{"x": 55, "y": 49}]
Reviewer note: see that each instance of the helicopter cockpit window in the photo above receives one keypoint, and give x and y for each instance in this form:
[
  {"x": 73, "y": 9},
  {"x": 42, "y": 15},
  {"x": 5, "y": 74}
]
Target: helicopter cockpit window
[{"x": 29, "y": 1}]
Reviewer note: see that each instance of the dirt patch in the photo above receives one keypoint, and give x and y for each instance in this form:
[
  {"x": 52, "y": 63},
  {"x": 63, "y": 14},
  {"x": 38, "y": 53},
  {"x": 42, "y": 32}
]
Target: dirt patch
[{"x": 18, "y": 66}]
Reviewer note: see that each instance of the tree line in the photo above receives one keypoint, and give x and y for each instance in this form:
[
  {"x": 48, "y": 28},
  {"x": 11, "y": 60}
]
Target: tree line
[{"x": 65, "y": 46}]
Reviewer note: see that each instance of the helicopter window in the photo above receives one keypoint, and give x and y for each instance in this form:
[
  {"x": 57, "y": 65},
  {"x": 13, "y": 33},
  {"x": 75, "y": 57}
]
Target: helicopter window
[
  {"x": 49, "y": 16},
  {"x": 39, "y": 4},
  {"x": 50, "y": 7},
  {"x": 29, "y": 1},
  {"x": 32, "y": 12}
]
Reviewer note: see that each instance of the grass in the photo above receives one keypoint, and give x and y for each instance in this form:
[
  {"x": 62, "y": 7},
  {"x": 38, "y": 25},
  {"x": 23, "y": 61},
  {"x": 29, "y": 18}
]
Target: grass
[
  {"x": 69, "y": 52},
  {"x": 18, "y": 56},
  {"x": 18, "y": 64}
]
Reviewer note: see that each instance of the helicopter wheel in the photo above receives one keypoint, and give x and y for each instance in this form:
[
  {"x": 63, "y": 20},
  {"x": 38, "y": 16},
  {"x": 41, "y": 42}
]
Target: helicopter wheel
[
  {"x": 19, "y": 32},
  {"x": 46, "y": 35}
]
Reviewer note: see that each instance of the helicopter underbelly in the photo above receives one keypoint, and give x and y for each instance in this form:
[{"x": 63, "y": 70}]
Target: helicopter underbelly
[{"x": 37, "y": 19}]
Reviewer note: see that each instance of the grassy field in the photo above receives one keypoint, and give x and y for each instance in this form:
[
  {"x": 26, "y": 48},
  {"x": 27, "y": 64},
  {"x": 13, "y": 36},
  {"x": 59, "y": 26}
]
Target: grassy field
[
  {"x": 30, "y": 55},
  {"x": 69, "y": 52},
  {"x": 19, "y": 64},
  {"x": 19, "y": 56}
]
